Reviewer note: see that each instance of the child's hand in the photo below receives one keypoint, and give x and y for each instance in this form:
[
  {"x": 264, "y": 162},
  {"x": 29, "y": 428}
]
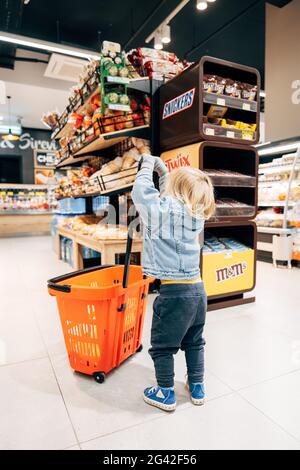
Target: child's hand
[{"x": 160, "y": 167}]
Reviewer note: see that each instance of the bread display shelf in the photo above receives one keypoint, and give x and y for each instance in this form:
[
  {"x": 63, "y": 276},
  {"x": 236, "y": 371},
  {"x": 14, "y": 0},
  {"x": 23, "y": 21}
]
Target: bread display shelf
[
  {"x": 229, "y": 102},
  {"x": 104, "y": 141}
]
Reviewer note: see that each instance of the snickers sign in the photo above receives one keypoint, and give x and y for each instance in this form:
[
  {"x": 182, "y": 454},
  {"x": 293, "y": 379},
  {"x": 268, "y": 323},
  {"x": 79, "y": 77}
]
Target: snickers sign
[{"x": 178, "y": 104}]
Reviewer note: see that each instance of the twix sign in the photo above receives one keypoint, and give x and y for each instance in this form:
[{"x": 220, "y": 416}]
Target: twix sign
[{"x": 182, "y": 157}]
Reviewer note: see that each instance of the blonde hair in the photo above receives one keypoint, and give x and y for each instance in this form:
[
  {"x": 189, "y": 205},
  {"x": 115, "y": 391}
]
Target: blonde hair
[{"x": 194, "y": 189}]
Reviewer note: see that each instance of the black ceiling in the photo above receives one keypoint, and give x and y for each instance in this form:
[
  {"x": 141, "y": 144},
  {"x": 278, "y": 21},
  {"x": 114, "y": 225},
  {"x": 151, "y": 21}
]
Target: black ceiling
[{"x": 229, "y": 29}]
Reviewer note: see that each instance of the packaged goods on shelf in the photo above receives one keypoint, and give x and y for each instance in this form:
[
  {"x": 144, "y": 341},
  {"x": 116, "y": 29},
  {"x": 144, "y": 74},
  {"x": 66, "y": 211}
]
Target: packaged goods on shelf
[
  {"x": 270, "y": 218},
  {"x": 229, "y": 87},
  {"x": 230, "y": 178},
  {"x": 156, "y": 64},
  {"x": 100, "y": 174},
  {"x": 217, "y": 107},
  {"x": 230, "y": 207},
  {"x": 51, "y": 119},
  {"x": 212, "y": 244},
  {"x": 296, "y": 246}
]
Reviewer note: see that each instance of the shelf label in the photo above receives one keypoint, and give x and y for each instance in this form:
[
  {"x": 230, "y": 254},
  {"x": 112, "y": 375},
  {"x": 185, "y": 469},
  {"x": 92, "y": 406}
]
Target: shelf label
[
  {"x": 230, "y": 134},
  {"x": 10, "y": 193},
  {"x": 209, "y": 131},
  {"x": 221, "y": 101},
  {"x": 246, "y": 106}
]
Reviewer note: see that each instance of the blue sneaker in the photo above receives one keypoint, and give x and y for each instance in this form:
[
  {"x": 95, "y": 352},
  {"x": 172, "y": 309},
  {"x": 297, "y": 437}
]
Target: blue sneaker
[
  {"x": 197, "y": 393},
  {"x": 163, "y": 398}
]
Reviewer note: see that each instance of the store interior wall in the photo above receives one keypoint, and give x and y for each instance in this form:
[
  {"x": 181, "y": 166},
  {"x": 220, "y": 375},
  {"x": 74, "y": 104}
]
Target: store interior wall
[
  {"x": 282, "y": 71},
  {"x": 30, "y": 139}
]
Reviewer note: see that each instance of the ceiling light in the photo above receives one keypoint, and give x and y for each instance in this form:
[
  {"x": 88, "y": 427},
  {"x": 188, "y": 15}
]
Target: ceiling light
[
  {"x": 210, "y": 1},
  {"x": 166, "y": 34},
  {"x": 46, "y": 46},
  {"x": 10, "y": 135},
  {"x": 201, "y": 5},
  {"x": 158, "y": 42}
]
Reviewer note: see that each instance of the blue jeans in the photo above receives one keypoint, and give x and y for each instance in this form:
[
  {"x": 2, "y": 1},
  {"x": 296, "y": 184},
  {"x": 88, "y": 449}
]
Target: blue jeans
[{"x": 179, "y": 314}]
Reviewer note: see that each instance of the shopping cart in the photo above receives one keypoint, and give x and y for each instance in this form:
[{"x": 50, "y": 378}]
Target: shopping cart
[{"x": 102, "y": 313}]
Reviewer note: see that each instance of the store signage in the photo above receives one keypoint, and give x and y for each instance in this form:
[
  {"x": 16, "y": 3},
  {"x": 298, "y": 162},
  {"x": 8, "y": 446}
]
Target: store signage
[
  {"x": 179, "y": 104},
  {"x": 181, "y": 161},
  {"x": 26, "y": 142},
  {"x": 229, "y": 272},
  {"x": 44, "y": 159}
]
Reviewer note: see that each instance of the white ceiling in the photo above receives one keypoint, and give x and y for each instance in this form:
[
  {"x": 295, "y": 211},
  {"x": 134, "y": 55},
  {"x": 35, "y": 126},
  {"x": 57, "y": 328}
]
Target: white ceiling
[{"x": 31, "y": 93}]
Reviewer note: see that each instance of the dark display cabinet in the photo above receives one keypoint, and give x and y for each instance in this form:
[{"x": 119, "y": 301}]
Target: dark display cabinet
[{"x": 212, "y": 100}]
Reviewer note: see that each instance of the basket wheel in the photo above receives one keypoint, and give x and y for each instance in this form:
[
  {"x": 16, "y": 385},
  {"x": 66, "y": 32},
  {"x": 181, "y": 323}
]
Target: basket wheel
[
  {"x": 99, "y": 377},
  {"x": 140, "y": 348}
]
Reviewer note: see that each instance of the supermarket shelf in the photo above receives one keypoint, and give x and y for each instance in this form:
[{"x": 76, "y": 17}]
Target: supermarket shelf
[
  {"x": 229, "y": 102},
  {"x": 24, "y": 212},
  {"x": 276, "y": 168},
  {"x": 108, "y": 193},
  {"x": 230, "y": 133},
  {"x": 66, "y": 128},
  {"x": 275, "y": 230},
  {"x": 232, "y": 181},
  {"x": 276, "y": 204},
  {"x": 107, "y": 140}
]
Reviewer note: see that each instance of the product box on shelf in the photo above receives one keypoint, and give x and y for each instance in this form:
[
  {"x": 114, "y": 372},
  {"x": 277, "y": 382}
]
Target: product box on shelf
[
  {"x": 228, "y": 262},
  {"x": 211, "y": 100},
  {"x": 233, "y": 170}
]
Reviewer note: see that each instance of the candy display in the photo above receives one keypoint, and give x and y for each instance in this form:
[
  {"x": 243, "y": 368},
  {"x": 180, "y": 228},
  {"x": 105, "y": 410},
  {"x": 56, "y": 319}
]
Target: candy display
[
  {"x": 230, "y": 178},
  {"x": 213, "y": 245},
  {"x": 231, "y": 207}
]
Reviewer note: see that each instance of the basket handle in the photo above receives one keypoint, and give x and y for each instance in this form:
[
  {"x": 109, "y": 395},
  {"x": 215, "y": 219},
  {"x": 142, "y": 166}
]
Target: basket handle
[{"x": 127, "y": 256}]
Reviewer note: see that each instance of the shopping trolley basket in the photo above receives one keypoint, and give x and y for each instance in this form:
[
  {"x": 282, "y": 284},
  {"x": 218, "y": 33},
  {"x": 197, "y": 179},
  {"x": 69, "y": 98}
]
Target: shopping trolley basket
[{"x": 102, "y": 313}]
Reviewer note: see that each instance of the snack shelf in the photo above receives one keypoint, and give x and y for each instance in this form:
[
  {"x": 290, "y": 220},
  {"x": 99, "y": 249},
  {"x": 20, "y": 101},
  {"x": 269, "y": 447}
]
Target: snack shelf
[
  {"x": 230, "y": 180},
  {"x": 212, "y": 130},
  {"x": 229, "y": 102}
]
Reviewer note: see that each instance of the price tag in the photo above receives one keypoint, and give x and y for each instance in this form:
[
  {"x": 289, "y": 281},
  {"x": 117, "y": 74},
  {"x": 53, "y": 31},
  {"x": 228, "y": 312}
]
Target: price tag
[
  {"x": 119, "y": 107},
  {"x": 230, "y": 134},
  {"x": 209, "y": 131},
  {"x": 246, "y": 106},
  {"x": 221, "y": 101},
  {"x": 118, "y": 79},
  {"x": 21, "y": 193},
  {"x": 10, "y": 193}
]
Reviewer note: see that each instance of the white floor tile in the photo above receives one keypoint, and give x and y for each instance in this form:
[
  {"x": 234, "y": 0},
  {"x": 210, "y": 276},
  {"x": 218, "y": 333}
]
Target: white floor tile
[
  {"x": 228, "y": 423},
  {"x": 33, "y": 415},
  {"x": 280, "y": 400},
  {"x": 242, "y": 352}
]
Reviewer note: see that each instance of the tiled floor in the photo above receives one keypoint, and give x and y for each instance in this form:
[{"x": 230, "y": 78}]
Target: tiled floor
[{"x": 253, "y": 372}]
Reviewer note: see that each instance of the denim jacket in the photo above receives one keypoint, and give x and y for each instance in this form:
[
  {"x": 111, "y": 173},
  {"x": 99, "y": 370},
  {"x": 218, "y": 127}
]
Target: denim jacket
[{"x": 170, "y": 233}]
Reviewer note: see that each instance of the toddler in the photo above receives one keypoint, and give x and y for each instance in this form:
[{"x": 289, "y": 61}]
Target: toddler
[{"x": 172, "y": 220}]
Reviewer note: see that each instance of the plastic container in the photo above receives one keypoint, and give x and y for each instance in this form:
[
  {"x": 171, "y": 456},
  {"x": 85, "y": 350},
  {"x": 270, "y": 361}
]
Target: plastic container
[{"x": 102, "y": 315}]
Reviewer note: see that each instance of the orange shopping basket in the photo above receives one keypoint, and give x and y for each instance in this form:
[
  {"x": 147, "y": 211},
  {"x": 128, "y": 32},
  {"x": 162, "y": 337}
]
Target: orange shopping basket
[{"x": 102, "y": 313}]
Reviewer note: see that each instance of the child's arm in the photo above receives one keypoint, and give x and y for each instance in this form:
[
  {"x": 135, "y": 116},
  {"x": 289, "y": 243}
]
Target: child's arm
[{"x": 144, "y": 194}]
